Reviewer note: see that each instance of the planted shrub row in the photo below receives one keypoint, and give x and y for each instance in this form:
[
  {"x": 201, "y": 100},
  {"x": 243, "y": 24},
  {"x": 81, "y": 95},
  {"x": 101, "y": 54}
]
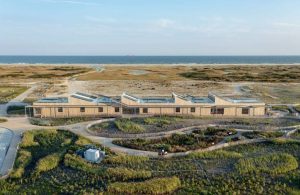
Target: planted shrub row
[
  {"x": 125, "y": 174},
  {"x": 218, "y": 154},
  {"x": 76, "y": 162},
  {"x": 48, "y": 163},
  {"x": 23, "y": 159},
  {"x": 126, "y": 159},
  {"x": 128, "y": 126},
  {"x": 152, "y": 186}
]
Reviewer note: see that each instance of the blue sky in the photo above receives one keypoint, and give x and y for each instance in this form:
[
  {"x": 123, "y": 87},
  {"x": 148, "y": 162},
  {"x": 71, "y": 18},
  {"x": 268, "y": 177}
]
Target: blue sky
[{"x": 149, "y": 27}]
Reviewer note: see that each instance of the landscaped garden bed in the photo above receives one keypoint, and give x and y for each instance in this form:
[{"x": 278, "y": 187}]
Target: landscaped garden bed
[
  {"x": 262, "y": 134},
  {"x": 58, "y": 121},
  {"x": 260, "y": 168},
  {"x": 143, "y": 125},
  {"x": 198, "y": 139}
]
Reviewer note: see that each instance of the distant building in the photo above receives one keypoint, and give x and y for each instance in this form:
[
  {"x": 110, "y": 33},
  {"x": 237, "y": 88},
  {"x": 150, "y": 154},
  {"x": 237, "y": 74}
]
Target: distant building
[
  {"x": 83, "y": 105},
  {"x": 94, "y": 155}
]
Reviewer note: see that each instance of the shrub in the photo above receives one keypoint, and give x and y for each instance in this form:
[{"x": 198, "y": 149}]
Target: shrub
[
  {"x": 160, "y": 121},
  {"x": 152, "y": 186},
  {"x": 23, "y": 159},
  {"x": 272, "y": 163},
  {"x": 216, "y": 154},
  {"x": 48, "y": 163},
  {"x": 57, "y": 121},
  {"x": 76, "y": 162},
  {"x": 128, "y": 126},
  {"x": 125, "y": 174},
  {"x": 262, "y": 134},
  {"x": 28, "y": 139},
  {"x": 126, "y": 159},
  {"x": 82, "y": 141}
]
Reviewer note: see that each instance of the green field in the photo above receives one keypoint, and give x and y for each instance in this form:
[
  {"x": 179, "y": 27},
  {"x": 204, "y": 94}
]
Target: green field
[
  {"x": 9, "y": 92},
  {"x": 47, "y": 164}
]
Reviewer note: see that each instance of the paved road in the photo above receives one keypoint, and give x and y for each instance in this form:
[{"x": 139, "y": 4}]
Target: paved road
[{"x": 7, "y": 150}]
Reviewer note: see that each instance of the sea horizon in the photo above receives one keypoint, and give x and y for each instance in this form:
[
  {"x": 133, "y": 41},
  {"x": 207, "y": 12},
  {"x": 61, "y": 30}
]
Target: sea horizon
[{"x": 91, "y": 59}]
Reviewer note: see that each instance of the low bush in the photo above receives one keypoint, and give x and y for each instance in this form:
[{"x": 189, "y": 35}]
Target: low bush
[
  {"x": 126, "y": 174},
  {"x": 28, "y": 139},
  {"x": 58, "y": 121},
  {"x": 76, "y": 162},
  {"x": 82, "y": 141},
  {"x": 48, "y": 163},
  {"x": 262, "y": 134},
  {"x": 215, "y": 131},
  {"x": 126, "y": 159},
  {"x": 174, "y": 143},
  {"x": 160, "y": 121},
  {"x": 218, "y": 154},
  {"x": 128, "y": 126},
  {"x": 152, "y": 186},
  {"x": 272, "y": 164},
  {"x": 23, "y": 159}
]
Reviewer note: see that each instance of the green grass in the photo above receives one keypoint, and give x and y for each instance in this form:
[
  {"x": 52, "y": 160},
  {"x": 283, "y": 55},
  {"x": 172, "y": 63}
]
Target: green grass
[
  {"x": 262, "y": 134},
  {"x": 152, "y": 186},
  {"x": 48, "y": 163},
  {"x": 125, "y": 159},
  {"x": 216, "y": 154},
  {"x": 76, "y": 162},
  {"x": 199, "y": 173},
  {"x": 271, "y": 163},
  {"x": 16, "y": 110},
  {"x": 124, "y": 174},
  {"x": 174, "y": 143},
  {"x": 128, "y": 126},
  {"x": 8, "y": 93},
  {"x": 23, "y": 159},
  {"x": 160, "y": 121}
]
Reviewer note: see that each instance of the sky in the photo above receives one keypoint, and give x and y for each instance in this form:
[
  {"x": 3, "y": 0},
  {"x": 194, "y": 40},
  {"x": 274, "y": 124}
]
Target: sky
[{"x": 149, "y": 27}]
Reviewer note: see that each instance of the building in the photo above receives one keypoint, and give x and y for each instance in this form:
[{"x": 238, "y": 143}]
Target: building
[
  {"x": 94, "y": 155},
  {"x": 83, "y": 105}
]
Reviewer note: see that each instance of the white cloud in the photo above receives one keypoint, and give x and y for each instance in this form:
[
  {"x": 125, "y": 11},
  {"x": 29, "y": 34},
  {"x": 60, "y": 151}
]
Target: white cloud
[{"x": 164, "y": 23}]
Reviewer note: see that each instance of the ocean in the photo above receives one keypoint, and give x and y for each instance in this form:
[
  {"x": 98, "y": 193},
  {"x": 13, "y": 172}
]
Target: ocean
[{"x": 149, "y": 59}]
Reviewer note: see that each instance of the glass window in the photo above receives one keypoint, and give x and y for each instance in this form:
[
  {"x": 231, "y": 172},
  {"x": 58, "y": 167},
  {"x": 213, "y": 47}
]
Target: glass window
[
  {"x": 100, "y": 109},
  {"x": 217, "y": 110},
  {"x": 60, "y": 109},
  {"x": 245, "y": 110},
  {"x": 82, "y": 109},
  {"x": 193, "y": 109},
  {"x": 145, "y": 110},
  {"x": 117, "y": 109}
]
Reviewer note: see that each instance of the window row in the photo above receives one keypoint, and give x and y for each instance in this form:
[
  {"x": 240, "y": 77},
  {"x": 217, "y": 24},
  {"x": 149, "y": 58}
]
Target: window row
[{"x": 82, "y": 109}]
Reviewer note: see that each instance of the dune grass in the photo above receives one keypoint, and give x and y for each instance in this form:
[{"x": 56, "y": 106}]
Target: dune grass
[
  {"x": 271, "y": 163},
  {"x": 152, "y": 186}
]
